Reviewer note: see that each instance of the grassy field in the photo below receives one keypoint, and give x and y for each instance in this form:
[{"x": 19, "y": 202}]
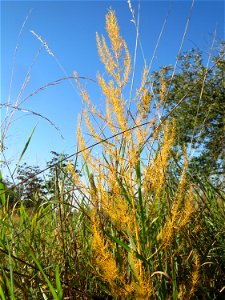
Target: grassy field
[{"x": 135, "y": 225}]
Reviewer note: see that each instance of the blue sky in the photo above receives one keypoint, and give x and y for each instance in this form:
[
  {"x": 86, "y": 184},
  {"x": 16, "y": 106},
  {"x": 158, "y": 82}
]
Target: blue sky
[{"x": 69, "y": 28}]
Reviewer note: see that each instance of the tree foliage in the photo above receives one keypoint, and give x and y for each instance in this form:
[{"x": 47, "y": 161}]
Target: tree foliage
[
  {"x": 200, "y": 118},
  {"x": 31, "y": 187},
  {"x": 58, "y": 176}
]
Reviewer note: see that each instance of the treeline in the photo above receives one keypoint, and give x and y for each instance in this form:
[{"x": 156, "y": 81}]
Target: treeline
[{"x": 33, "y": 187}]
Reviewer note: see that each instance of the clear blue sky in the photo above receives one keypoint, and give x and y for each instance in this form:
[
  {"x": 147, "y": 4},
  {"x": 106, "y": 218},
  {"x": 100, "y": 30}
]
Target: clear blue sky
[{"x": 69, "y": 28}]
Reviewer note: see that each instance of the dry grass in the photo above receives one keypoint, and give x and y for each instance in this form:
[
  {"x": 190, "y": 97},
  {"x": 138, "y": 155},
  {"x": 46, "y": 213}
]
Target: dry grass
[{"x": 129, "y": 228}]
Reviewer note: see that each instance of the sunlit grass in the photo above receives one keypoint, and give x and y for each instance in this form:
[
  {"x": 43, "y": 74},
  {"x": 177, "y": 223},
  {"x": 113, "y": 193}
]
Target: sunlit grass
[{"x": 134, "y": 228}]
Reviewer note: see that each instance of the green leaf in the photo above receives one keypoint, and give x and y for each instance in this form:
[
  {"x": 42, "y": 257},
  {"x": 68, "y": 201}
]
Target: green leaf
[
  {"x": 24, "y": 149},
  {"x": 53, "y": 292},
  {"x": 23, "y": 214},
  {"x": 58, "y": 283},
  {"x": 2, "y": 294},
  {"x": 119, "y": 242},
  {"x": 10, "y": 286},
  {"x": 126, "y": 247},
  {"x": 140, "y": 200},
  {"x": 2, "y": 190}
]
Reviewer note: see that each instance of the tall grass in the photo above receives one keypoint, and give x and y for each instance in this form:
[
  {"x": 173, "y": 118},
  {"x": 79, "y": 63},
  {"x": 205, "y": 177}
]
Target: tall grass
[{"x": 130, "y": 227}]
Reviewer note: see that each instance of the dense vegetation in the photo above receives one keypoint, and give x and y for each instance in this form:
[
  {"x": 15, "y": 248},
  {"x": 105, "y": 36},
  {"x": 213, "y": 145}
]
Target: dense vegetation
[
  {"x": 136, "y": 218},
  {"x": 200, "y": 116}
]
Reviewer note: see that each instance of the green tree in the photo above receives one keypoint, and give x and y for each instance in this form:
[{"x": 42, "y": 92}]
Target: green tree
[
  {"x": 200, "y": 118},
  {"x": 59, "y": 182},
  {"x": 31, "y": 186}
]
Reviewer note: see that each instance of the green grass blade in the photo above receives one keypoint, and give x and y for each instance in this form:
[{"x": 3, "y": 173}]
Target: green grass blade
[
  {"x": 140, "y": 200},
  {"x": 2, "y": 293},
  {"x": 53, "y": 292},
  {"x": 119, "y": 242},
  {"x": 58, "y": 283},
  {"x": 2, "y": 190},
  {"x": 126, "y": 247},
  {"x": 24, "y": 149},
  {"x": 10, "y": 287}
]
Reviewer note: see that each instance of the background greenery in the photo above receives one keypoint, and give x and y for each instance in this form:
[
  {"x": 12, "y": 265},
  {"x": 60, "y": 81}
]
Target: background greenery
[{"x": 139, "y": 218}]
